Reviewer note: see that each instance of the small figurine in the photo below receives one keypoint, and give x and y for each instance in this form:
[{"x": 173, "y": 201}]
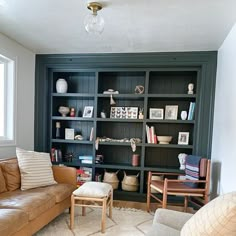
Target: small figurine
[
  {"x": 72, "y": 112},
  {"x": 140, "y": 116},
  {"x": 190, "y": 88},
  {"x": 182, "y": 159}
]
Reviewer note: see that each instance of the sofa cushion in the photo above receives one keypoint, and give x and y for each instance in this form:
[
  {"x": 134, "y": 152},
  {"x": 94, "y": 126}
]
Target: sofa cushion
[
  {"x": 11, "y": 173},
  {"x": 60, "y": 191},
  {"x": 32, "y": 202},
  {"x": 2, "y": 182},
  {"x": 35, "y": 169},
  {"x": 218, "y": 217},
  {"x": 12, "y": 220}
]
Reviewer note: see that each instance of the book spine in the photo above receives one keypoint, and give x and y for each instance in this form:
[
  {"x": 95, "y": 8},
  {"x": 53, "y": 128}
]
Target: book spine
[{"x": 148, "y": 134}]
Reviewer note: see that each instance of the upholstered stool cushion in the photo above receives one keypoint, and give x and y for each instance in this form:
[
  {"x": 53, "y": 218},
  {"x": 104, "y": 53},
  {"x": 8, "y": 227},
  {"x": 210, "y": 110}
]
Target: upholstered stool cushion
[
  {"x": 218, "y": 217},
  {"x": 93, "y": 189}
]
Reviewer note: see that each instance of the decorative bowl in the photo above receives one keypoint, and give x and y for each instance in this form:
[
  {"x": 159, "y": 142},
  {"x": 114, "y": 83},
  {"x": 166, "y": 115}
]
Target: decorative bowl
[
  {"x": 64, "y": 110},
  {"x": 164, "y": 139}
]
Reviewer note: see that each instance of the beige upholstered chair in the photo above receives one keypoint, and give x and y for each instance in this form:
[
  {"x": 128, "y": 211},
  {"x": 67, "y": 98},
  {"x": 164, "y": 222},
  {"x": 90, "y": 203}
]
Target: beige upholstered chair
[{"x": 217, "y": 218}]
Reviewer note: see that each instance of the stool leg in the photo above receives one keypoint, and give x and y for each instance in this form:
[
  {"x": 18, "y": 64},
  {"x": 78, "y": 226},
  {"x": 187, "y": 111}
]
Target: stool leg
[
  {"x": 83, "y": 209},
  {"x": 111, "y": 204},
  {"x": 104, "y": 207},
  {"x": 72, "y": 212}
]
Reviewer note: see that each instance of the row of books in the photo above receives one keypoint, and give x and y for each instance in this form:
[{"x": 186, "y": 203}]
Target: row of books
[
  {"x": 151, "y": 135},
  {"x": 56, "y": 155},
  {"x": 84, "y": 174}
]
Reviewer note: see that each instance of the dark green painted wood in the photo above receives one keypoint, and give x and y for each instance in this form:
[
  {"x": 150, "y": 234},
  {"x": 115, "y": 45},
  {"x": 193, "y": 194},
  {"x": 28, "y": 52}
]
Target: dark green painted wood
[{"x": 155, "y": 71}]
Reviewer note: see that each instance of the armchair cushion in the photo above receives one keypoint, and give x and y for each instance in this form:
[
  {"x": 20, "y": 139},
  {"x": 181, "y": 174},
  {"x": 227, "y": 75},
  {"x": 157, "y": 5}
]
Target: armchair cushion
[{"x": 218, "y": 217}]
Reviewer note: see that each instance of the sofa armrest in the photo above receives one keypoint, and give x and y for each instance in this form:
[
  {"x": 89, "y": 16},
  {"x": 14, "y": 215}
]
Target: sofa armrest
[
  {"x": 64, "y": 174},
  {"x": 173, "y": 219}
]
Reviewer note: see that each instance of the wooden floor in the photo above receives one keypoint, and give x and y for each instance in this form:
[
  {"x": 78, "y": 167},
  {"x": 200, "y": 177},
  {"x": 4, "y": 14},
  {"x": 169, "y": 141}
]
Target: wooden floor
[{"x": 142, "y": 206}]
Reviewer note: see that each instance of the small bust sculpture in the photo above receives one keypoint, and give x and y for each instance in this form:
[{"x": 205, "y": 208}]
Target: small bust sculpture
[
  {"x": 190, "y": 88},
  {"x": 182, "y": 159}
]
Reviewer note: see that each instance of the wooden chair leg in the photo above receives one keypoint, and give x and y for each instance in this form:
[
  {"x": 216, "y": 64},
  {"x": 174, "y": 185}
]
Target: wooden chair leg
[
  {"x": 72, "y": 212},
  {"x": 185, "y": 203},
  {"x": 164, "y": 197},
  {"x": 148, "y": 192},
  {"x": 103, "y": 223},
  {"x": 111, "y": 205}
]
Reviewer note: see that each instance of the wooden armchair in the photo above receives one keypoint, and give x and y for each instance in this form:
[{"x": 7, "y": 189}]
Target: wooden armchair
[{"x": 178, "y": 187}]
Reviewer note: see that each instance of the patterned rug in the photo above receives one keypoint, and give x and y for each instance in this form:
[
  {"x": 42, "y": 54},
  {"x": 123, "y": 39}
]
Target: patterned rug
[{"x": 125, "y": 222}]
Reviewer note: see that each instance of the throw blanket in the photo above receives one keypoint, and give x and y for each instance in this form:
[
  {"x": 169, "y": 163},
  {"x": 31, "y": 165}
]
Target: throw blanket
[{"x": 192, "y": 169}]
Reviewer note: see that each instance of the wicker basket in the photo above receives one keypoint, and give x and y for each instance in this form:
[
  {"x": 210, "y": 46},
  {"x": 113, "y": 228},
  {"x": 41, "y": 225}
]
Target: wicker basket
[
  {"x": 113, "y": 184},
  {"x": 130, "y": 182},
  {"x": 111, "y": 178}
]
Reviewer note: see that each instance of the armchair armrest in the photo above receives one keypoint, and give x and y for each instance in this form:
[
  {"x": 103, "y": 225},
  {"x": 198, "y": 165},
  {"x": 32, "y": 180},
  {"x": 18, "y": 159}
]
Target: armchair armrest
[
  {"x": 64, "y": 174},
  {"x": 171, "y": 218}
]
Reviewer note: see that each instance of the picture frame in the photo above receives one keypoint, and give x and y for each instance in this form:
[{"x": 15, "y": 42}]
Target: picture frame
[
  {"x": 183, "y": 138},
  {"x": 171, "y": 112},
  {"x": 69, "y": 134},
  {"x": 124, "y": 112},
  {"x": 88, "y": 112},
  {"x": 156, "y": 113}
]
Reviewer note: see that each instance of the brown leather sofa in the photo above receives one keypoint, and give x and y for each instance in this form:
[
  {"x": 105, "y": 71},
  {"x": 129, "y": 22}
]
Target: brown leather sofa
[{"x": 25, "y": 212}]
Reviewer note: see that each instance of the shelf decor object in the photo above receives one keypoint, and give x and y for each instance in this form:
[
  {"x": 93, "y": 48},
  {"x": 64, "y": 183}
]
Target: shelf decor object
[
  {"x": 61, "y": 86},
  {"x": 93, "y": 22}
]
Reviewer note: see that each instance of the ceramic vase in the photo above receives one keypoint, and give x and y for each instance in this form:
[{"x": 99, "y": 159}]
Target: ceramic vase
[
  {"x": 183, "y": 115},
  {"x": 61, "y": 86}
]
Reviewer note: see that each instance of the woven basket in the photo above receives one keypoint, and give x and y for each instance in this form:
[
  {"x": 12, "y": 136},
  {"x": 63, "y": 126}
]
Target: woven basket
[
  {"x": 130, "y": 182},
  {"x": 111, "y": 178},
  {"x": 113, "y": 184}
]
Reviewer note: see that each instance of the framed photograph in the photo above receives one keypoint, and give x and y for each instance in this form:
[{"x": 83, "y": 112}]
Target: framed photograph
[
  {"x": 156, "y": 113},
  {"x": 171, "y": 112},
  {"x": 183, "y": 138},
  {"x": 88, "y": 112},
  {"x": 69, "y": 133},
  {"x": 124, "y": 112}
]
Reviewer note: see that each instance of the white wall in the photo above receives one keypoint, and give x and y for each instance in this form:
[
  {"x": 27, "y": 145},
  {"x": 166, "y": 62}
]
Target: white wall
[
  {"x": 25, "y": 95},
  {"x": 224, "y": 129}
]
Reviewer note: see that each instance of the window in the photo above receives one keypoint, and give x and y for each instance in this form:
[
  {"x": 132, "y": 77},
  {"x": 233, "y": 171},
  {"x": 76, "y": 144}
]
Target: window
[{"x": 7, "y": 101}]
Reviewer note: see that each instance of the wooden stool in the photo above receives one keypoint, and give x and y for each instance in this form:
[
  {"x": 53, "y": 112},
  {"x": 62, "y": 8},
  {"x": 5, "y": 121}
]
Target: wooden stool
[{"x": 92, "y": 194}]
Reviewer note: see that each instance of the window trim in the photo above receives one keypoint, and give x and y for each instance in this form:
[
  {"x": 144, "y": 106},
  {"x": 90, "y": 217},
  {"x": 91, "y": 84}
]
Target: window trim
[{"x": 10, "y": 62}]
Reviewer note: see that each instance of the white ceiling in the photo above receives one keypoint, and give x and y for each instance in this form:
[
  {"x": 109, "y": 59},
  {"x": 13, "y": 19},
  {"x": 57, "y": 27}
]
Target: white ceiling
[{"x": 56, "y": 26}]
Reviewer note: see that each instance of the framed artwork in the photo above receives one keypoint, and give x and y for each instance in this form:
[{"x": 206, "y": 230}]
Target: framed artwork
[
  {"x": 124, "y": 112},
  {"x": 156, "y": 113},
  {"x": 183, "y": 138},
  {"x": 88, "y": 112},
  {"x": 69, "y": 133},
  {"x": 171, "y": 112}
]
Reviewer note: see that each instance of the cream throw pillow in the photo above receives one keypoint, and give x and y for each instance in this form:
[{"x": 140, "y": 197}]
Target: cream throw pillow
[
  {"x": 35, "y": 169},
  {"x": 217, "y": 218}
]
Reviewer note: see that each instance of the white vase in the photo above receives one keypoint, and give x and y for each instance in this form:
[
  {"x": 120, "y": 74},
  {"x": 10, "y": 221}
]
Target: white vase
[
  {"x": 183, "y": 115},
  {"x": 61, "y": 86}
]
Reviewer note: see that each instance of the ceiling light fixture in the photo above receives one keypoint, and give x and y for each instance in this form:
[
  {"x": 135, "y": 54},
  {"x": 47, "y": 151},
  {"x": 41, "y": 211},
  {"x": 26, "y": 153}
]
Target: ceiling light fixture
[{"x": 94, "y": 23}]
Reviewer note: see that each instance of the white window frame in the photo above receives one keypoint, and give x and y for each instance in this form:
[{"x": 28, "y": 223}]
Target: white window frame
[{"x": 9, "y": 136}]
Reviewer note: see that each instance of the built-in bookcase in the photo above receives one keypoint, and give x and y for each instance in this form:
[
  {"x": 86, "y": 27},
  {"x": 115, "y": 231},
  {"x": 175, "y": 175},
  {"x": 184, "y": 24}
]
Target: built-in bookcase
[{"x": 163, "y": 86}]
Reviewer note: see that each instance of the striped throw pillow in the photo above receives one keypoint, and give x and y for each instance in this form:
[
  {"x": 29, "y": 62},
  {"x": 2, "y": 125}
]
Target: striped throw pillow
[{"x": 35, "y": 169}]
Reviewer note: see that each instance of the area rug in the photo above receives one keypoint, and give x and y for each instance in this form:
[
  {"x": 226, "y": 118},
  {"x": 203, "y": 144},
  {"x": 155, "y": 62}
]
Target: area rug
[{"x": 124, "y": 222}]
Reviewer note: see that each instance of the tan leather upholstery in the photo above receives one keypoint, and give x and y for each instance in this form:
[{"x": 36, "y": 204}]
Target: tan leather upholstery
[
  {"x": 60, "y": 177},
  {"x": 33, "y": 208},
  {"x": 11, "y": 174},
  {"x": 2, "y": 182},
  {"x": 59, "y": 191},
  {"x": 14, "y": 218}
]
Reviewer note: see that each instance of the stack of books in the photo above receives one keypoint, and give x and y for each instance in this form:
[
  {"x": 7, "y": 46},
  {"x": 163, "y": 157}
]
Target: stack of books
[
  {"x": 151, "y": 135},
  {"x": 84, "y": 174},
  {"x": 86, "y": 159}
]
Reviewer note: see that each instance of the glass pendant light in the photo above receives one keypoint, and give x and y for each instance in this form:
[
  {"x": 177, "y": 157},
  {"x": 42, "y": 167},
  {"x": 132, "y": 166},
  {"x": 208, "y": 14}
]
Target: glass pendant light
[{"x": 93, "y": 22}]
